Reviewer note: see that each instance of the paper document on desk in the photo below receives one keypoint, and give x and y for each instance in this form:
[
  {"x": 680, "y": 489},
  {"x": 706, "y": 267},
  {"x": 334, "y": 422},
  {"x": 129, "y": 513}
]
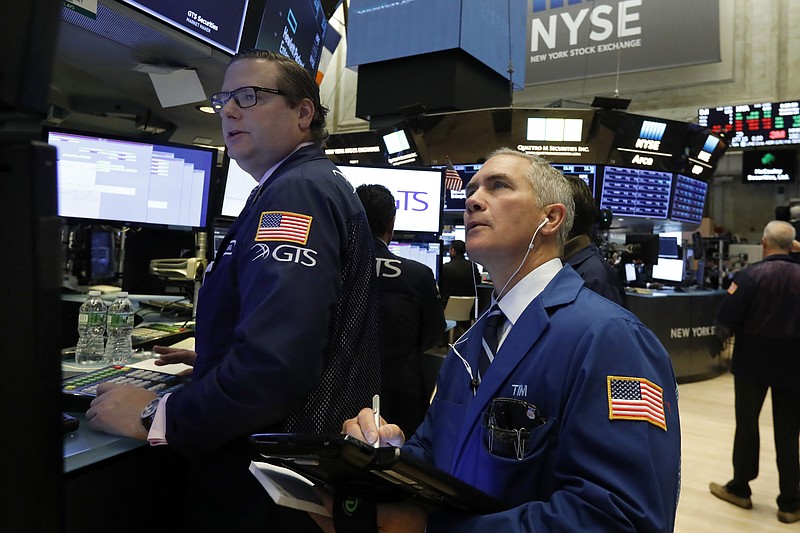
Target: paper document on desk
[
  {"x": 288, "y": 488},
  {"x": 177, "y": 368}
]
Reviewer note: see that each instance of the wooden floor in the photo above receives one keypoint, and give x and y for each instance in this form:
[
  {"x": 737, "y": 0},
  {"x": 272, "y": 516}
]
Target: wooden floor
[{"x": 707, "y": 421}]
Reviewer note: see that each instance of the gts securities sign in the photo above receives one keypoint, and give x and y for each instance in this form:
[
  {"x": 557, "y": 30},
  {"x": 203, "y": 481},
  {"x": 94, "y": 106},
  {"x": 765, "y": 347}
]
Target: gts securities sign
[{"x": 576, "y": 39}]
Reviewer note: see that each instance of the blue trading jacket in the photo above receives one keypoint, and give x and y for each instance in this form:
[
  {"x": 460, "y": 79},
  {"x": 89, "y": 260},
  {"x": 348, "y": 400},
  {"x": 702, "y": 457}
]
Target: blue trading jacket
[
  {"x": 287, "y": 316},
  {"x": 582, "y": 470}
]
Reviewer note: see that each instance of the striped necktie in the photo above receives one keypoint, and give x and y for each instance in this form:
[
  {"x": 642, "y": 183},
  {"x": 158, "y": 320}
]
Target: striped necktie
[{"x": 491, "y": 327}]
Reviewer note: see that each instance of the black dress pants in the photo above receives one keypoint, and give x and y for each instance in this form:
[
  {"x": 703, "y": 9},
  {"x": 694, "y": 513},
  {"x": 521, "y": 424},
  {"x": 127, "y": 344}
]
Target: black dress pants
[{"x": 786, "y": 420}]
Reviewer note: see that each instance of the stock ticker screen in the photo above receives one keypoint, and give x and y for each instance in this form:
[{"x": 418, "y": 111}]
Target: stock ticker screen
[
  {"x": 750, "y": 125},
  {"x": 636, "y": 192}
]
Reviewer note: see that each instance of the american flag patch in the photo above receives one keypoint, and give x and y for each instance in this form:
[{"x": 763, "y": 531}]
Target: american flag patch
[
  {"x": 283, "y": 226},
  {"x": 452, "y": 180},
  {"x": 636, "y": 399}
]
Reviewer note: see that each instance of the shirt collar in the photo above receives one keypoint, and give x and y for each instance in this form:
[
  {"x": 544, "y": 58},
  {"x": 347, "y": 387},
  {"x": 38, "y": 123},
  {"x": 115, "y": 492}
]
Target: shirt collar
[
  {"x": 516, "y": 300},
  {"x": 271, "y": 169}
]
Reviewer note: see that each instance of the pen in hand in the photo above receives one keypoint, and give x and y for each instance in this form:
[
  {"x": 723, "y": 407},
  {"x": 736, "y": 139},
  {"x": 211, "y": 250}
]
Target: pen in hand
[{"x": 376, "y": 409}]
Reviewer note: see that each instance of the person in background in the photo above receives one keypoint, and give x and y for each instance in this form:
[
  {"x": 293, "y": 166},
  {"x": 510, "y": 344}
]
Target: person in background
[
  {"x": 412, "y": 319},
  {"x": 287, "y": 314},
  {"x": 459, "y": 276},
  {"x": 558, "y": 403},
  {"x": 762, "y": 310},
  {"x": 580, "y": 252}
]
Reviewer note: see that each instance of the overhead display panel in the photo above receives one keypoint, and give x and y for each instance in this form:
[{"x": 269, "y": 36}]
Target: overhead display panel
[
  {"x": 754, "y": 125},
  {"x": 560, "y": 135},
  {"x": 213, "y": 22},
  {"x": 704, "y": 150},
  {"x": 688, "y": 199},
  {"x": 646, "y": 142}
]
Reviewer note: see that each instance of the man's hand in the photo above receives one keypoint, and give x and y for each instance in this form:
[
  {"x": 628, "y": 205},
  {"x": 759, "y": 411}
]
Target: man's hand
[
  {"x": 171, "y": 356},
  {"x": 363, "y": 428},
  {"x": 117, "y": 409}
]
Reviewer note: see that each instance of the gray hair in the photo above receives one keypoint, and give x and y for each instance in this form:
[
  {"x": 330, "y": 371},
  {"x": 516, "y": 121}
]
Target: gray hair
[
  {"x": 779, "y": 234},
  {"x": 549, "y": 187}
]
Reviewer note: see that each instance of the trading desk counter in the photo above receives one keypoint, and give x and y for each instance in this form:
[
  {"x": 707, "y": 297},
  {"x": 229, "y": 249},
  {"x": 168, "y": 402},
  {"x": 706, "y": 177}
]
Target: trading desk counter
[{"x": 684, "y": 323}]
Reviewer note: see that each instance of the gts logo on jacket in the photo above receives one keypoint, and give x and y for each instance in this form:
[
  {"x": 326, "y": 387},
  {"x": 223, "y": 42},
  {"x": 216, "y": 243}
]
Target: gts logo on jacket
[{"x": 285, "y": 253}]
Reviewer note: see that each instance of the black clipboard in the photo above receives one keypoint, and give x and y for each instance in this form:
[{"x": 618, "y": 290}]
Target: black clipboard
[{"x": 385, "y": 474}]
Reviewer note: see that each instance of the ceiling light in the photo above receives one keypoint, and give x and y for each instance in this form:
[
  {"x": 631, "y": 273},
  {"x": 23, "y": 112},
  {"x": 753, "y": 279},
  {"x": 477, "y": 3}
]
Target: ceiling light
[{"x": 206, "y": 109}]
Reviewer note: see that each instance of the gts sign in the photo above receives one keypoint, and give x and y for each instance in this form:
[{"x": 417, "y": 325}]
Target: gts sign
[{"x": 411, "y": 201}]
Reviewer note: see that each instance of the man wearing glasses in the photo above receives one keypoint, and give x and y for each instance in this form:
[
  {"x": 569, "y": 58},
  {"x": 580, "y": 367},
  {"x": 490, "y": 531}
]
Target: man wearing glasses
[{"x": 286, "y": 317}]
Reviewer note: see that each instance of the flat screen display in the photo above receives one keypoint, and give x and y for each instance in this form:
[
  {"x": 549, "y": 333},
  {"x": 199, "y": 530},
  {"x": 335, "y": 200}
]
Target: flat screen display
[
  {"x": 295, "y": 29},
  {"x": 636, "y": 192},
  {"x": 238, "y": 186},
  {"x": 769, "y": 166},
  {"x": 417, "y": 193},
  {"x": 668, "y": 270},
  {"x": 455, "y": 201},
  {"x": 566, "y": 135},
  {"x": 754, "y": 125},
  {"x": 688, "y": 199},
  {"x": 128, "y": 181},
  {"x": 213, "y": 22},
  {"x": 587, "y": 173},
  {"x": 704, "y": 150},
  {"x": 426, "y": 253},
  {"x": 358, "y": 148},
  {"x": 646, "y": 142}
]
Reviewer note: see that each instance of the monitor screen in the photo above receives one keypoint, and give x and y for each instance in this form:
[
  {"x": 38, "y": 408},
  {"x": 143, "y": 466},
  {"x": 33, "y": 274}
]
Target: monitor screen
[
  {"x": 295, "y": 29},
  {"x": 587, "y": 173},
  {"x": 454, "y": 201},
  {"x": 646, "y": 142},
  {"x": 769, "y": 166},
  {"x": 668, "y": 246},
  {"x": 238, "y": 186},
  {"x": 399, "y": 145},
  {"x": 688, "y": 199},
  {"x": 216, "y": 23},
  {"x": 426, "y": 253},
  {"x": 668, "y": 270},
  {"x": 358, "y": 148},
  {"x": 752, "y": 125},
  {"x": 561, "y": 135},
  {"x": 132, "y": 182},
  {"x": 636, "y": 192},
  {"x": 704, "y": 150},
  {"x": 630, "y": 272},
  {"x": 417, "y": 193}
]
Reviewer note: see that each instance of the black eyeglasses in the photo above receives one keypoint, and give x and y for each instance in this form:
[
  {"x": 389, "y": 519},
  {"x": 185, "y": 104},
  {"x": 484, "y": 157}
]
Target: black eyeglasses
[{"x": 243, "y": 96}]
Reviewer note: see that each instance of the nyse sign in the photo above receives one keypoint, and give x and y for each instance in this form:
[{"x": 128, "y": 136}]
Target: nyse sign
[{"x": 591, "y": 38}]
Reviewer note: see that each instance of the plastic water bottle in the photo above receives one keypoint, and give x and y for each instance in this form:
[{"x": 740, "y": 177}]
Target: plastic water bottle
[
  {"x": 91, "y": 327},
  {"x": 119, "y": 326}
]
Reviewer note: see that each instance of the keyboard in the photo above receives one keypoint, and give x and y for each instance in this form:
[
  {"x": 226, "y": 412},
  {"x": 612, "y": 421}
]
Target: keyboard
[
  {"x": 145, "y": 336},
  {"x": 79, "y": 391}
]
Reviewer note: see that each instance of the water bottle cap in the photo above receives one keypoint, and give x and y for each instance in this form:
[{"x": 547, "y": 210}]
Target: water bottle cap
[
  {"x": 95, "y": 293},
  {"x": 122, "y": 294}
]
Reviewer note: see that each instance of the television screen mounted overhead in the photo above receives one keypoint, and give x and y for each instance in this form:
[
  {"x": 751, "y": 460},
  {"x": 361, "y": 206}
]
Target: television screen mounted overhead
[
  {"x": 636, "y": 192},
  {"x": 769, "y": 166},
  {"x": 216, "y": 23},
  {"x": 132, "y": 182},
  {"x": 754, "y": 125}
]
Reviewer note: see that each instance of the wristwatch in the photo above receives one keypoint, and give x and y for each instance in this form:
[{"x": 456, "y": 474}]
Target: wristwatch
[{"x": 149, "y": 413}]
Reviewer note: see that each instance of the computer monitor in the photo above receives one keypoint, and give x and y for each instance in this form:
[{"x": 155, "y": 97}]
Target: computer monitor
[
  {"x": 455, "y": 200},
  {"x": 669, "y": 270},
  {"x": 688, "y": 199},
  {"x": 132, "y": 182},
  {"x": 642, "y": 246},
  {"x": 417, "y": 193},
  {"x": 219, "y": 24},
  {"x": 427, "y": 253},
  {"x": 636, "y": 192},
  {"x": 668, "y": 245},
  {"x": 237, "y": 186},
  {"x": 588, "y": 173},
  {"x": 630, "y": 273}
]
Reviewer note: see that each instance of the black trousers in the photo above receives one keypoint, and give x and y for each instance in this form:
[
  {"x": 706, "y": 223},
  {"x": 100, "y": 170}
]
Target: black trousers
[{"x": 786, "y": 420}]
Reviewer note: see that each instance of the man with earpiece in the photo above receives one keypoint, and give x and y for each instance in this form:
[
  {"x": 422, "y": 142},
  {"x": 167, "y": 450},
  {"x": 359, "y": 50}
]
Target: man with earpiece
[{"x": 558, "y": 403}]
